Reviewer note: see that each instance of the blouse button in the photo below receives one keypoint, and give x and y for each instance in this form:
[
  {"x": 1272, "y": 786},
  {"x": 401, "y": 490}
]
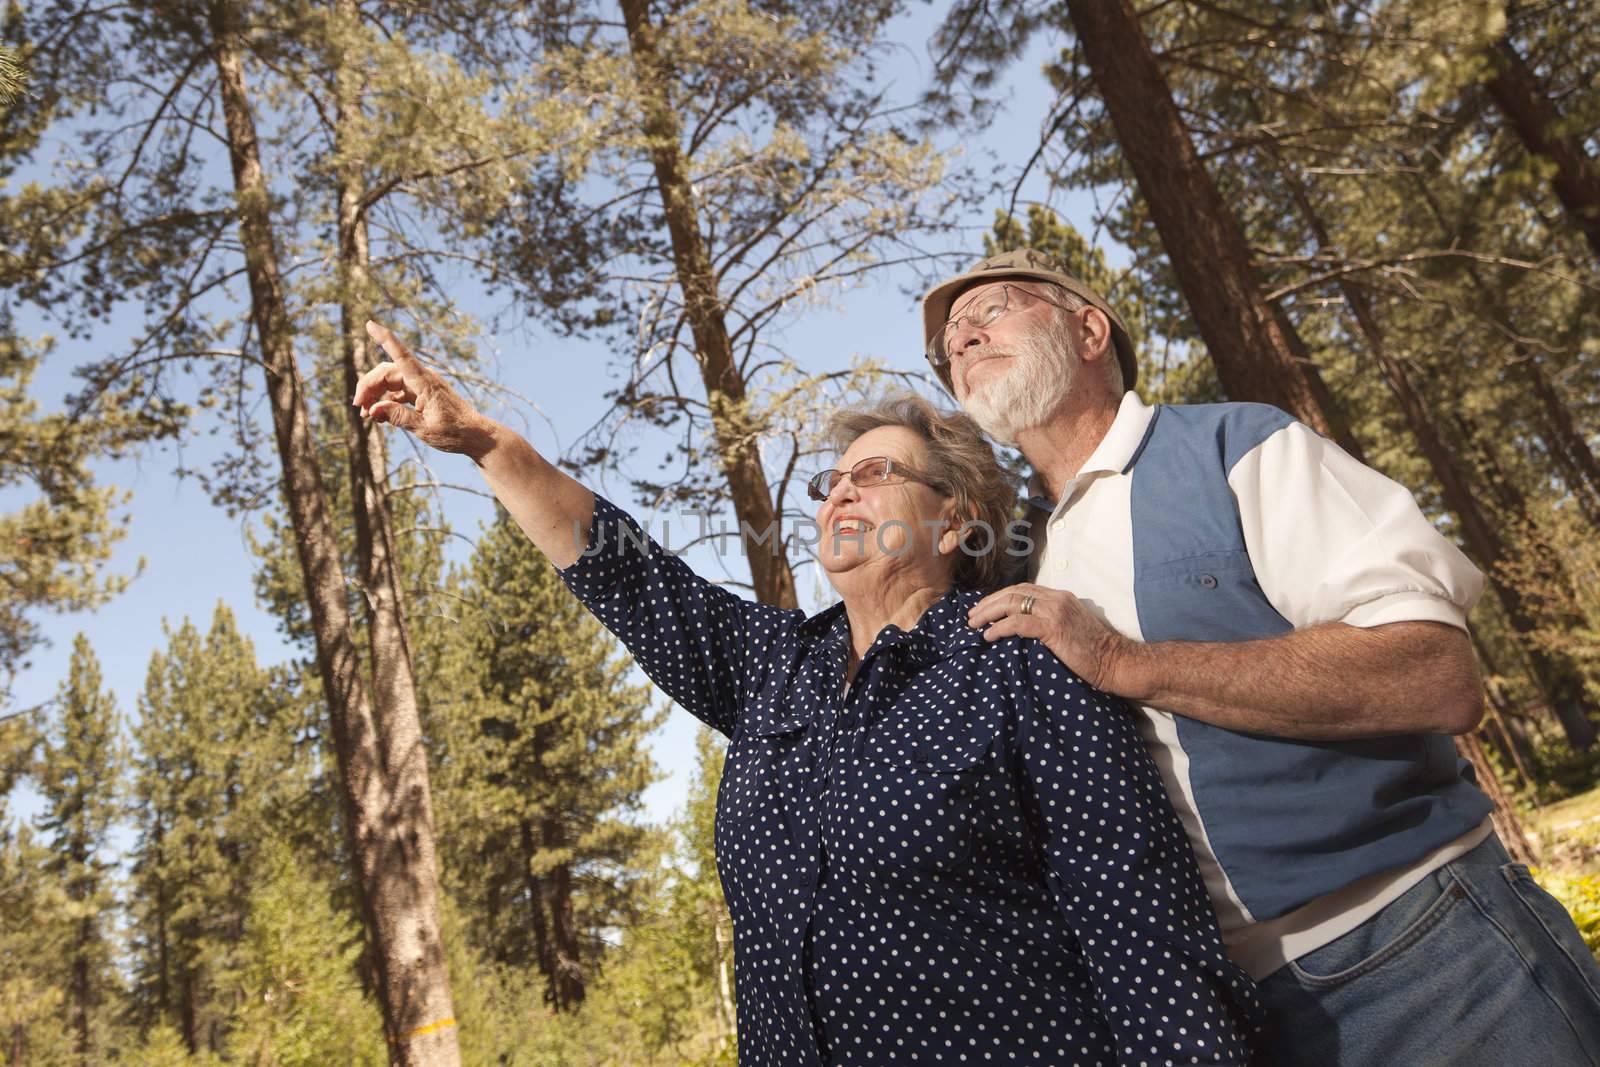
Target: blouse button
[{"x": 1209, "y": 581}]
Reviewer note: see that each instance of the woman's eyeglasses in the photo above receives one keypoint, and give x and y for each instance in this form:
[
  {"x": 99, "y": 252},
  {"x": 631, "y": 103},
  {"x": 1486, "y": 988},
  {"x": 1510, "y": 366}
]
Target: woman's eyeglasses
[{"x": 874, "y": 470}]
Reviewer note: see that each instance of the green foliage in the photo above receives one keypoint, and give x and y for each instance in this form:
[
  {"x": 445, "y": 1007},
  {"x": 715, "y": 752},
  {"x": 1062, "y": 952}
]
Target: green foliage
[
  {"x": 12, "y": 79},
  {"x": 214, "y": 770},
  {"x": 53, "y": 546},
  {"x": 163, "y": 1046},
  {"x": 1580, "y": 895},
  {"x": 657, "y": 1001},
  {"x": 78, "y": 777},
  {"x": 300, "y": 1003},
  {"x": 35, "y": 913},
  {"x": 541, "y": 762}
]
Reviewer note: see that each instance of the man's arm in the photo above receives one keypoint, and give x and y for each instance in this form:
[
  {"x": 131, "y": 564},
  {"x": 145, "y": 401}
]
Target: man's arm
[{"x": 1326, "y": 682}]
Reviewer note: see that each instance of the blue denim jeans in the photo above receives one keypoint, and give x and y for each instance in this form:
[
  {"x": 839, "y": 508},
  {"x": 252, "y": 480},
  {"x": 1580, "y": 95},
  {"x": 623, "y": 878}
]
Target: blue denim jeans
[{"x": 1474, "y": 965}]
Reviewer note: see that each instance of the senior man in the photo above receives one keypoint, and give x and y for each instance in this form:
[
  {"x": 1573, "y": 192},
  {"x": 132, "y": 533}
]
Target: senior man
[{"x": 1293, "y": 631}]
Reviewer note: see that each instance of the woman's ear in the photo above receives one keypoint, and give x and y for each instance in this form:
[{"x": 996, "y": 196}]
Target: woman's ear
[{"x": 951, "y": 537}]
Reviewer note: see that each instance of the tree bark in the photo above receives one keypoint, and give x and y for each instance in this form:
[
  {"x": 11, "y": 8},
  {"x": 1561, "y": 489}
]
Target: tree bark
[
  {"x": 1574, "y": 177},
  {"x": 1558, "y": 677},
  {"x": 1557, "y": 429},
  {"x": 1506, "y": 824},
  {"x": 538, "y": 921},
  {"x": 1256, "y": 352},
  {"x": 568, "y": 980},
  {"x": 737, "y": 444},
  {"x": 386, "y": 802}
]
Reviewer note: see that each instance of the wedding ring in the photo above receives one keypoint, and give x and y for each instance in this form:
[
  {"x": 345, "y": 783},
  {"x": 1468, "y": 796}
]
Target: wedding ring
[{"x": 1027, "y": 605}]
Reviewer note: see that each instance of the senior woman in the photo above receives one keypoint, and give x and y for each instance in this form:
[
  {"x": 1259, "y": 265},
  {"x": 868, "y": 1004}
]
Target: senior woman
[{"x": 935, "y": 848}]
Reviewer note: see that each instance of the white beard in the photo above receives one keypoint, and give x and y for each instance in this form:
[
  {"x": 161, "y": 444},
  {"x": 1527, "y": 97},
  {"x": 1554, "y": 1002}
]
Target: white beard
[{"x": 1025, "y": 394}]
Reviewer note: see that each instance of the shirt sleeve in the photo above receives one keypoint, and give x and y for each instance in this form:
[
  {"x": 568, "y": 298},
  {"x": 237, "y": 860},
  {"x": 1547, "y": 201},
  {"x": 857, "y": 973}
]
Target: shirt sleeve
[
  {"x": 1120, "y": 868},
  {"x": 704, "y": 646},
  {"x": 1332, "y": 540}
]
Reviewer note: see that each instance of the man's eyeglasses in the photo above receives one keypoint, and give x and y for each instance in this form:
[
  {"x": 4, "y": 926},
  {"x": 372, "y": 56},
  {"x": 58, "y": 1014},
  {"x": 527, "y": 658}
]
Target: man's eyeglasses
[
  {"x": 981, "y": 315},
  {"x": 874, "y": 470}
]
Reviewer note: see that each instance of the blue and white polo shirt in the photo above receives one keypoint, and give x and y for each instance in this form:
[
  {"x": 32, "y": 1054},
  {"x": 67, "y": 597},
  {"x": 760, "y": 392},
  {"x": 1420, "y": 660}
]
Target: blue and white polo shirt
[{"x": 1232, "y": 522}]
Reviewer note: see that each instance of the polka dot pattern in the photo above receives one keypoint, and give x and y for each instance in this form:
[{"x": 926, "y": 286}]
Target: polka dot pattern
[{"x": 966, "y": 857}]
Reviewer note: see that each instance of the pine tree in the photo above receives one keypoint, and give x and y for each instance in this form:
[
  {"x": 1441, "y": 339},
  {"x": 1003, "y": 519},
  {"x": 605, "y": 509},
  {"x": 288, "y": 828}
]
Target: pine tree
[
  {"x": 79, "y": 780},
  {"x": 300, "y": 1001},
  {"x": 213, "y": 765},
  {"x": 13, "y": 78},
  {"x": 53, "y": 547},
  {"x": 35, "y": 923},
  {"x": 752, "y": 165},
  {"x": 542, "y": 766}
]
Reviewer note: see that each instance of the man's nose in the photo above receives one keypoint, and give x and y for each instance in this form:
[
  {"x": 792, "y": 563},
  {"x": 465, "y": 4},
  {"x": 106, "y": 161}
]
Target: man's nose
[{"x": 965, "y": 336}]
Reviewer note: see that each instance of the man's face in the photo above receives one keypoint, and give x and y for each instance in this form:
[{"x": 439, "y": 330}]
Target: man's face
[
  {"x": 1012, "y": 374},
  {"x": 979, "y": 353}
]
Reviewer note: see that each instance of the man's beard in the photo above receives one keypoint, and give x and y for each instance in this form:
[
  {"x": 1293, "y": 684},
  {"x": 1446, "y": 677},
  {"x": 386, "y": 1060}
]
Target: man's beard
[{"x": 1026, "y": 393}]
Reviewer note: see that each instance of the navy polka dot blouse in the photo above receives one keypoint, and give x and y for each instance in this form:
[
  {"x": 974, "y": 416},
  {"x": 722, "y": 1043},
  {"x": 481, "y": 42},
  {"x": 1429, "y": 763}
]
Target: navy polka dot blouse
[{"x": 967, "y": 857}]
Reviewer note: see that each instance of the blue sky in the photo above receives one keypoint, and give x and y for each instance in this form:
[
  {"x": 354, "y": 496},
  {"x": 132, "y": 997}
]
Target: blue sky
[{"x": 195, "y": 555}]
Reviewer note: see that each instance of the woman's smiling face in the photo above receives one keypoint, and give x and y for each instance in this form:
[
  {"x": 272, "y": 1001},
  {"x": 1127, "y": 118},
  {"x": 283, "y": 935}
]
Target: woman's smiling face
[{"x": 886, "y": 529}]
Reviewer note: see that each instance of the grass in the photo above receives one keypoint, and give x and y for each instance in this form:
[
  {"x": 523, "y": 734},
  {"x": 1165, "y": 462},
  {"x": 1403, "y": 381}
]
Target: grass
[
  {"x": 1568, "y": 835},
  {"x": 1568, "y": 831}
]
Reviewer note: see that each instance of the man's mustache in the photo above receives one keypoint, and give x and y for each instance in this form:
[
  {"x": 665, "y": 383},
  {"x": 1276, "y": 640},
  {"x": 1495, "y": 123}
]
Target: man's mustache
[{"x": 971, "y": 357}]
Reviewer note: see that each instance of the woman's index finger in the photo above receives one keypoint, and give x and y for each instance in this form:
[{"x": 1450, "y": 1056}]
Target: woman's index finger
[{"x": 392, "y": 345}]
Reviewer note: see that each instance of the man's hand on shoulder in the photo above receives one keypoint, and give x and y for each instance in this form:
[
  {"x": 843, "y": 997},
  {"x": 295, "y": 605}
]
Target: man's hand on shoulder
[
  {"x": 1075, "y": 635},
  {"x": 1328, "y": 682}
]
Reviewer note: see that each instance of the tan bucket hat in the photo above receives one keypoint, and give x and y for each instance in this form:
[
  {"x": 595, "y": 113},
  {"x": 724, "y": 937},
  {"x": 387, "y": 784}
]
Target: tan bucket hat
[{"x": 1022, "y": 263}]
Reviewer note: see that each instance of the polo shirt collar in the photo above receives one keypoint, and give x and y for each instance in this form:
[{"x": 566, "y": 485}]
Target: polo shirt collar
[{"x": 1117, "y": 451}]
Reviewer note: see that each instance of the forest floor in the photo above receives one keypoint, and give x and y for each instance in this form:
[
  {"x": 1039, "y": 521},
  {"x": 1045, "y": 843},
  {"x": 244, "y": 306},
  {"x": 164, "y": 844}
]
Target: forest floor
[
  {"x": 1568, "y": 835},
  {"x": 1569, "y": 832}
]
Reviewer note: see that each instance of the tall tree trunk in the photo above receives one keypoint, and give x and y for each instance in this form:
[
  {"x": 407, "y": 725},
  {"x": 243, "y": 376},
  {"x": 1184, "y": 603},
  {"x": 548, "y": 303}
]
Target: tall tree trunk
[
  {"x": 538, "y": 921},
  {"x": 163, "y": 1005},
  {"x": 1574, "y": 177},
  {"x": 1507, "y": 826},
  {"x": 1256, "y": 352},
  {"x": 401, "y": 751},
  {"x": 1556, "y": 428},
  {"x": 189, "y": 1011},
  {"x": 80, "y": 988},
  {"x": 569, "y": 981},
  {"x": 725, "y": 388},
  {"x": 1565, "y": 441},
  {"x": 386, "y": 801},
  {"x": 1558, "y": 677}
]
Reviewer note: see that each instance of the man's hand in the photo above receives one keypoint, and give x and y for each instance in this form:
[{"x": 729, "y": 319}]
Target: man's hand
[
  {"x": 404, "y": 393},
  {"x": 1087, "y": 646}
]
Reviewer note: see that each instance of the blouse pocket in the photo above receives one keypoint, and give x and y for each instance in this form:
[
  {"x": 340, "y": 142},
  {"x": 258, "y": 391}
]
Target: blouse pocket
[
  {"x": 909, "y": 801},
  {"x": 764, "y": 805}
]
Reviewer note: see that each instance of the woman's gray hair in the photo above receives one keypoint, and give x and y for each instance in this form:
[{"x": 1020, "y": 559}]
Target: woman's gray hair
[{"x": 959, "y": 458}]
